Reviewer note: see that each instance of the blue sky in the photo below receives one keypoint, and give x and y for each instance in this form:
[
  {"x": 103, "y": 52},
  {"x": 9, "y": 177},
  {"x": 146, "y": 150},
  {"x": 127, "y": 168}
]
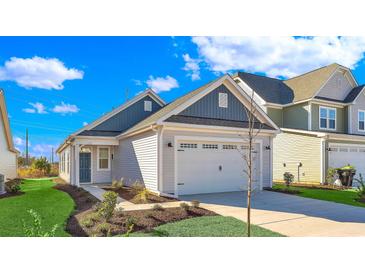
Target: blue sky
[{"x": 53, "y": 85}]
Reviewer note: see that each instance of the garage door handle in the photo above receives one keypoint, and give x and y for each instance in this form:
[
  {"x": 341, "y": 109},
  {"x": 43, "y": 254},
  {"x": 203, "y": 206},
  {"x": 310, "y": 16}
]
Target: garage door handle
[
  {"x": 180, "y": 150},
  {"x": 180, "y": 184}
]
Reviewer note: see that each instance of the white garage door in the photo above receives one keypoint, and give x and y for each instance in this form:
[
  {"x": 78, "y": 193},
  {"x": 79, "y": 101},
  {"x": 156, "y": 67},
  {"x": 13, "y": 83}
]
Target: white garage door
[
  {"x": 342, "y": 155},
  {"x": 207, "y": 167}
]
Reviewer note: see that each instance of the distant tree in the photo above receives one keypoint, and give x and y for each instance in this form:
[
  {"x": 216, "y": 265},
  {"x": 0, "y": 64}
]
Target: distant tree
[{"x": 42, "y": 164}]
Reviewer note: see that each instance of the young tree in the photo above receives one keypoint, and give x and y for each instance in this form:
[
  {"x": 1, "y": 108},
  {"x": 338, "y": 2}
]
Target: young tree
[{"x": 253, "y": 129}]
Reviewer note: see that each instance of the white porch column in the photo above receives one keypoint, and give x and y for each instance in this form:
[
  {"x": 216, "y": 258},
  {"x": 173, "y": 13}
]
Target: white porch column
[{"x": 77, "y": 164}]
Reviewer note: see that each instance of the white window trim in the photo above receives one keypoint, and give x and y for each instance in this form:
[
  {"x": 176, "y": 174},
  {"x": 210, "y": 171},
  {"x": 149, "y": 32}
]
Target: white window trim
[
  {"x": 358, "y": 120},
  {"x": 319, "y": 118},
  {"x": 149, "y": 104},
  {"x": 219, "y": 99},
  {"x": 98, "y": 158}
]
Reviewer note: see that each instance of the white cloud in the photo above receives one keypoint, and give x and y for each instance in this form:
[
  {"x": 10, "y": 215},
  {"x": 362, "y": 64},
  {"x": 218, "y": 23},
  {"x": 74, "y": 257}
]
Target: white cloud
[
  {"x": 18, "y": 141},
  {"x": 37, "y": 108},
  {"x": 160, "y": 84},
  {"x": 38, "y": 72},
  {"x": 192, "y": 67},
  {"x": 42, "y": 150},
  {"x": 137, "y": 82},
  {"x": 65, "y": 109},
  {"x": 85, "y": 124},
  {"x": 278, "y": 56}
]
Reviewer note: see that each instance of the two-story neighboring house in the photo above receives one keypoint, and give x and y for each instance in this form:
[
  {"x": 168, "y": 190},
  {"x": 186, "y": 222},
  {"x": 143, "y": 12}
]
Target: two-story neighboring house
[
  {"x": 187, "y": 146},
  {"x": 322, "y": 119}
]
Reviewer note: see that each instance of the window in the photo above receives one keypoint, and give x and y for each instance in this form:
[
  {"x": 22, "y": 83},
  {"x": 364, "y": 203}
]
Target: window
[
  {"x": 184, "y": 145},
  {"x": 223, "y": 100},
  {"x": 103, "y": 158},
  {"x": 361, "y": 120},
  {"x": 229, "y": 147},
  {"x": 327, "y": 118},
  {"x": 210, "y": 146},
  {"x": 68, "y": 163},
  {"x": 147, "y": 106}
]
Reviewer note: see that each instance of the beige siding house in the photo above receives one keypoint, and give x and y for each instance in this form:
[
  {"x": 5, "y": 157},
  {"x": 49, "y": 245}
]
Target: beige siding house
[
  {"x": 323, "y": 121},
  {"x": 8, "y": 154},
  {"x": 191, "y": 145}
]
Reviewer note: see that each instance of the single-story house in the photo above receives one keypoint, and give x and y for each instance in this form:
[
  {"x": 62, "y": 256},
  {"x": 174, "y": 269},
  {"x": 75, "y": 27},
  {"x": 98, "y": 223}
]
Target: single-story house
[
  {"x": 8, "y": 153},
  {"x": 191, "y": 145}
]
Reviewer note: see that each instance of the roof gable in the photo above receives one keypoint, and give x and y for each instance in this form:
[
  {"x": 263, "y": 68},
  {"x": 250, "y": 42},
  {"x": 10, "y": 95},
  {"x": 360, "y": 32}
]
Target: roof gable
[
  {"x": 269, "y": 89},
  {"x": 187, "y": 100}
]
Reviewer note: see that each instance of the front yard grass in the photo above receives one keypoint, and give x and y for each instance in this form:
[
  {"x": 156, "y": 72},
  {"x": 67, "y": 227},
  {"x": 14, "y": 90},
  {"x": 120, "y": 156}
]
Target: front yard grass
[
  {"x": 346, "y": 196},
  {"x": 54, "y": 207},
  {"x": 208, "y": 226}
]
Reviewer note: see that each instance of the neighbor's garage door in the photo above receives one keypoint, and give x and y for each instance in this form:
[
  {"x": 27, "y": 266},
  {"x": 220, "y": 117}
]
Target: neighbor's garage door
[
  {"x": 208, "y": 167},
  {"x": 342, "y": 155}
]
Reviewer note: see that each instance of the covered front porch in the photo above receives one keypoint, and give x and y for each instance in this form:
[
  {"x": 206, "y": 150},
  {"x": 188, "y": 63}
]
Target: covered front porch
[{"x": 92, "y": 160}]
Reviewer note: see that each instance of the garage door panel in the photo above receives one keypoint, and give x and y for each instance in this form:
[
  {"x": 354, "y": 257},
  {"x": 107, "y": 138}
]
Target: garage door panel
[
  {"x": 342, "y": 155},
  {"x": 210, "y": 167}
]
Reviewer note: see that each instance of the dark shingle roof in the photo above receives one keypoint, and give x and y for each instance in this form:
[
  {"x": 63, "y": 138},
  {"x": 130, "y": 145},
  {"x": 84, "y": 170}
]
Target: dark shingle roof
[
  {"x": 270, "y": 89},
  {"x": 353, "y": 94},
  {"x": 214, "y": 122}
]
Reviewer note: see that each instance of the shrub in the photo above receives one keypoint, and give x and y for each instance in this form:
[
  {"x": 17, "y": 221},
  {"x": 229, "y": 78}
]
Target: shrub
[
  {"x": 331, "y": 175},
  {"x": 107, "y": 206},
  {"x": 195, "y": 203},
  {"x": 104, "y": 228},
  {"x": 42, "y": 165},
  {"x": 13, "y": 186},
  {"x": 130, "y": 221},
  {"x": 184, "y": 206},
  {"x": 94, "y": 216},
  {"x": 137, "y": 186},
  {"x": 35, "y": 228},
  {"x": 361, "y": 187},
  {"x": 288, "y": 178},
  {"x": 142, "y": 195},
  {"x": 158, "y": 207},
  {"x": 118, "y": 184},
  {"x": 87, "y": 222}
]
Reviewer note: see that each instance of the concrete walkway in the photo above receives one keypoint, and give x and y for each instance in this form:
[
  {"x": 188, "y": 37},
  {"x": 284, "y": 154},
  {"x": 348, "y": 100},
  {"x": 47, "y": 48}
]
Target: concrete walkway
[
  {"x": 288, "y": 214},
  {"x": 97, "y": 191}
]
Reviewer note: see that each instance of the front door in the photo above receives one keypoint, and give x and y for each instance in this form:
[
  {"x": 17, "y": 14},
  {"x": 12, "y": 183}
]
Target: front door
[{"x": 85, "y": 167}]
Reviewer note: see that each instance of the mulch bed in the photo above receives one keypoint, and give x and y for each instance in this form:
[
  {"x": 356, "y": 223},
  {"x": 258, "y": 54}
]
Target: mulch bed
[
  {"x": 286, "y": 191},
  {"x": 129, "y": 194},
  {"x": 361, "y": 200},
  {"x": 84, "y": 201},
  {"x": 143, "y": 220},
  {"x": 7, "y": 195},
  {"x": 316, "y": 186}
]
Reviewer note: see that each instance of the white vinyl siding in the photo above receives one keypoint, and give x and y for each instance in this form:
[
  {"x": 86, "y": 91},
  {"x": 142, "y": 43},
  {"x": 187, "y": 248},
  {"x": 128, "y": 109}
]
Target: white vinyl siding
[
  {"x": 136, "y": 159},
  {"x": 64, "y": 164},
  {"x": 8, "y": 159}
]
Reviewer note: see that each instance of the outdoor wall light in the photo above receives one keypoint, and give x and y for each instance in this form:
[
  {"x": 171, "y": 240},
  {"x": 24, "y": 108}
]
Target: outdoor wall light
[
  {"x": 268, "y": 148},
  {"x": 329, "y": 149},
  {"x": 170, "y": 145}
]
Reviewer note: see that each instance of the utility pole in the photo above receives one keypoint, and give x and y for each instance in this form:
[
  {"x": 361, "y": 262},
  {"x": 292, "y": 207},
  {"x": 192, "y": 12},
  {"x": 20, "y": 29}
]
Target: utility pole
[
  {"x": 26, "y": 148},
  {"x": 52, "y": 157}
]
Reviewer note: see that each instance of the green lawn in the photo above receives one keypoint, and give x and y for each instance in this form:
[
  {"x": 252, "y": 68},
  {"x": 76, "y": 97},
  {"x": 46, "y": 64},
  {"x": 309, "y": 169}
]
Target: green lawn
[
  {"x": 209, "y": 226},
  {"x": 347, "y": 196},
  {"x": 53, "y": 205}
]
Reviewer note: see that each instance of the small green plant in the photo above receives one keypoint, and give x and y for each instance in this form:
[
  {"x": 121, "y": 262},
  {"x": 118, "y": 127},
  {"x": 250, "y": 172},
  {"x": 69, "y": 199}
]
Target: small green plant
[
  {"x": 119, "y": 211},
  {"x": 108, "y": 205},
  {"x": 331, "y": 174},
  {"x": 104, "y": 228},
  {"x": 195, "y": 203},
  {"x": 361, "y": 187},
  {"x": 13, "y": 186},
  {"x": 130, "y": 221},
  {"x": 94, "y": 216},
  {"x": 118, "y": 185},
  {"x": 42, "y": 165},
  {"x": 142, "y": 195},
  {"x": 184, "y": 206},
  {"x": 288, "y": 178},
  {"x": 158, "y": 207},
  {"x": 35, "y": 228},
  {"x": 87, "y": 222},
  {"x": 129, "y": 230},
  {"x": 137, "y": 186}
]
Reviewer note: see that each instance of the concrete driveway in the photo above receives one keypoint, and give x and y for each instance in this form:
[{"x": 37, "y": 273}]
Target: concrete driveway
[{"x": 288, "y": 214}]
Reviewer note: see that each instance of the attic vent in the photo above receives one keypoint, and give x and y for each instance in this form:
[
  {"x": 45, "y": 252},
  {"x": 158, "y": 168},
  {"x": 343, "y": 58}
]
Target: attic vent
[
  {"x": 147, "y": 106},
  {"x": 223, "y": 100}
]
